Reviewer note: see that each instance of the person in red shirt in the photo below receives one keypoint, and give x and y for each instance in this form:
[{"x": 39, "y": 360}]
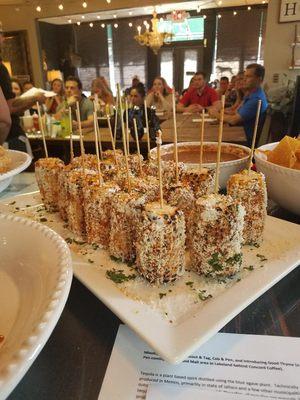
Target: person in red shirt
[{"x": 199, "y": 96}]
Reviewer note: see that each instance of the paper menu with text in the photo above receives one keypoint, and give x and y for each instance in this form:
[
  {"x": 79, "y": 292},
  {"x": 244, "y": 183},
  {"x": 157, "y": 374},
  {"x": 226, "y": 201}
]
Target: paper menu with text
[{"x": 257, "y": 367}]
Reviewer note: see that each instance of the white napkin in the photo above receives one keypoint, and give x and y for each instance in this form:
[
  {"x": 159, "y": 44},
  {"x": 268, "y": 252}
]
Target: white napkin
[{"x": 33, "y": 91}]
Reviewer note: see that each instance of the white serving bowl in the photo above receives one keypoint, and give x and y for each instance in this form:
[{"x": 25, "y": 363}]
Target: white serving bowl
[
  {"x": 20, "y": 161},
  {"x": 283, "y": 183},
  {"x": 227, "y": 168},
  {"x": 35, "y": 280}
]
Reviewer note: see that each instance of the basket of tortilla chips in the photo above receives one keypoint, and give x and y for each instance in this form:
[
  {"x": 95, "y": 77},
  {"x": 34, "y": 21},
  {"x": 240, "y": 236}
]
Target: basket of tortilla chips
[{"x": 280, "y": 163}]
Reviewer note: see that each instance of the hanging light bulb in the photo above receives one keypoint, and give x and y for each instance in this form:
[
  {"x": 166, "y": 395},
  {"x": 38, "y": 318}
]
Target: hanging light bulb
[
  {"x": 145, "y": 23},
  {"x": 130, "y": 12},
  {"x": 219, "y": 2},
  {"x": 130, "y": 24},
  {"x": 82, "y": 16},
  {"x": 61, "y": 7},
  {"x": 78, "y": 23},
  {"x": 198, "y": 8},
  {"x": 38, "y": 8},
  {"x": 91, "y": 24},
  {"x": 219, "y": 16},
  {"x": 108, "y": 1},
  {"x": 234, "y": 13},
  {"x": 116, "y": 26},
  {"x": 204, "y": 16},
  {"x": 102, "y": 25},
  {"x": 249, "y": 8},
  {"x": 70, "y": 21},
  {"x": 98, "y": 17},
  {"x": 84, "y": 4}
]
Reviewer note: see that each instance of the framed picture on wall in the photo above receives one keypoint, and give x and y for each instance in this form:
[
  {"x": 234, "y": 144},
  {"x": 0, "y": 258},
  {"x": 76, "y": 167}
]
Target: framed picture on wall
[{"x": 289, "y": 11}]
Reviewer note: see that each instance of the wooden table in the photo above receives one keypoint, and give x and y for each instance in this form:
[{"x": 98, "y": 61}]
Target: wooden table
[
  {"x": 72, "y": 364},
  {"x": 188, "y": 131}
]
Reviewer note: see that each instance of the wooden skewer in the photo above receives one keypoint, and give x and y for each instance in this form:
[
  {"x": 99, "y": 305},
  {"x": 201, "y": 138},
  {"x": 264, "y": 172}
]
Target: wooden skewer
[
  {"x": 175, "y": 136},
  {"x": 127, "y": 126},
  {"x": 201, "y": 139},
  {"x": 42, "y": 129},
  {"x": 254, "y": 134},
  {"x": 97, "y": 148},
  {"x": 138, "y": 146},
  {"x": 124, "y": 137},
  {"x": 97, "y": 129},
  {"x": 219, "y": 145},
  {"x": 80, "y": 129},
  {"x": 147, "y": 128},
  {"x": 116, "y": 119},
  {"x": 112, "y": 140},
  {"x": 71, "y": 135},
  {"x": 158, "y": 144},
  {"x": 82, "y": 151}
]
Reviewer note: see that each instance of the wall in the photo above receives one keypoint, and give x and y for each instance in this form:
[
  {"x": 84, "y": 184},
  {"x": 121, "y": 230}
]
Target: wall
[
  {"x": 277, "y": 46},
  {"x": 26, "y": 19}
]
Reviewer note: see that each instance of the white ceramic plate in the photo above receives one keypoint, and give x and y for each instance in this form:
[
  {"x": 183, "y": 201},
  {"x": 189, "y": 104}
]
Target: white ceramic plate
[
  {"x": 35, "y": 279},
  {"x": 20, "y": 161},
  {"x": 189, "y": 321}
]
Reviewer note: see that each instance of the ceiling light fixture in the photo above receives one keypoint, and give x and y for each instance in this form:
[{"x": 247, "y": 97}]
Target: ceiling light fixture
[
  {"x": 249, "y": 8},
  {"x": 116, "y": 25},
  {"x": 102, "y": 25},
  {"x": 82, "y": 16},
  {"x": 198, "y": 8},
  {"x": 78, "y": 23},
  {"x": 84, "y": 4},
  {"x": 219, "y": 16},
  {"x": 130, "y": 12},
  {"x": 234, "y": 13},
  {"x": 115, "y": 16},
  {"x": 61, "y": 7},
  {"x": 98, "y": 17},
  {"x": 153, "y": 38},
  {"x": 70, "y": 21},
  {"x": 204, "y": 16},
  {"x": 108, "y": 1},
  {"x": 130, "y": 24},
  {"x": 91, "y": 24},
  {"x": 39, "y": 9},
  {"x": 219, "y": 2}
]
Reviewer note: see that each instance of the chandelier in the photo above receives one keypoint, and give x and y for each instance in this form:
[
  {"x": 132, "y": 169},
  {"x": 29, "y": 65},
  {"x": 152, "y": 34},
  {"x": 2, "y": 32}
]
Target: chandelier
[{"x": 153, "y": 38}]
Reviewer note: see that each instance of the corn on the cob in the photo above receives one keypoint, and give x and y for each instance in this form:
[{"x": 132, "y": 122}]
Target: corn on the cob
[
  {"x": 46, "y": 172},
  {"x": 97, "y": 209},
  {"x": 249, "y": 188},
  {"x": 160, "y": 247},
  {"x": 200, "y": 181},
  {"x": 216, "y": 228}
]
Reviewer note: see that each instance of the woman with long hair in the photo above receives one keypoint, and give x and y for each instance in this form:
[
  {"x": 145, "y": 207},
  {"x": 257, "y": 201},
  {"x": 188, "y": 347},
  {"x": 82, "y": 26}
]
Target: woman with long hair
[
  {"x": 159, "y": 95},
  {"x": 240, "y": 93},
  {"x": 101, "y": 88},
  {"x": 52, "y": 103},
  {"x": 16, "y": 87}
]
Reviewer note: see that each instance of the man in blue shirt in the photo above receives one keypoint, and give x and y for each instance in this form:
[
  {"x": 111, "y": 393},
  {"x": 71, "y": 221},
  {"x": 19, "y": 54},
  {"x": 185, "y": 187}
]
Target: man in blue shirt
[{"x": 246, "y": 113}]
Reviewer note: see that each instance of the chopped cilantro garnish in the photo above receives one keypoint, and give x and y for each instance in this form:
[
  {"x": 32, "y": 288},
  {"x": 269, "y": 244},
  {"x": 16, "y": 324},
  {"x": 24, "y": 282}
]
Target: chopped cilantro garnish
[
  {"x": 261, "y": 257},
  {"x": 95, "y": 246},
  {"x": 250, "y": 268},
  {"x": 118, "y": 276},
  {"x": 203, "y": 296},
  {"x": 161, "y": 295},
  {"x": 190, "y": 283},
  {"x": 69, "y": 240},
  {"x": 215, "y": 262},
  {"x": 115, "y": 259}
]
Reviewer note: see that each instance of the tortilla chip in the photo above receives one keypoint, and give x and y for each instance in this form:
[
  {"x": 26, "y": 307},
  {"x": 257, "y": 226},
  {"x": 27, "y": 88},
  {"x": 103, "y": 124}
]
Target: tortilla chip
[{"x": 284, "y": 152}]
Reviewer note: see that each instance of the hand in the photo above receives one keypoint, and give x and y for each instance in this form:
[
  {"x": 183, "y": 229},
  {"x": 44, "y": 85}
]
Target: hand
[
  {"x": 40, "y": 98},
  {"x": 72, "y": 100},
  {"x": 75, "y": 125},
  {"x": 213, "y": 113},
  {"x": 194, "y": 108}
]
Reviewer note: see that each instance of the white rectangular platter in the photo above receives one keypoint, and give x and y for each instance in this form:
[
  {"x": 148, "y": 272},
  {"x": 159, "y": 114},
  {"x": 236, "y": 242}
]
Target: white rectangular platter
[{"x": 174, "y": 319}]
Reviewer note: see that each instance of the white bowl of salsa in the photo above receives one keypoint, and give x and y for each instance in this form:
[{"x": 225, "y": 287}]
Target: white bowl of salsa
[{"x": 234, "y": 157}]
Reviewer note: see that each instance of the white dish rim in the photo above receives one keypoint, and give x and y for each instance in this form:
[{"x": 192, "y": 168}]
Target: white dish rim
[
  {"x": 26, "y": 353},
  {"x": 20, "y": 168}
]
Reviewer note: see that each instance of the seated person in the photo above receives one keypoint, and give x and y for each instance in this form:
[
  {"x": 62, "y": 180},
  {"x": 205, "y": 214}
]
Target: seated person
[
  {"x": 52, "y": 103},
  {"x": 224, "y": 89},
  {"x": 5, "y": 119},
  {"x": 73, "y": 92},
  {"x": 137, "y": 111},
  {"x": 101, "y": 91},
  {"x": 27, "y": 85},
  {"x": 160, "y": 96},
  {"x": 238, "y": 93},
  {"x": 16, "y": 87},
  {"x": 246, "y": 113},
  {"x": 199, "y": 96}
]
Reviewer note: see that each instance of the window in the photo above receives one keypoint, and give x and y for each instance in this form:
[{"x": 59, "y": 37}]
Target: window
[
  {"x": 239, "y": 41},
  {"x": 189, "y": 66},
  {"x": 166, "y": 66},
  {"x": 190, "y": 29}
]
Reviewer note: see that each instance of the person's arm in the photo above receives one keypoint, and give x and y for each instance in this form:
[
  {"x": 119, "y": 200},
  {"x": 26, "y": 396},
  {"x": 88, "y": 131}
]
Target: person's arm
[
  {"x": 5, "y": 120},
  {"x": 150, "y": 99},
  {"x": 20, "y": 104},
  {"x": 88, "y": 123},
  {"x": 234, "y": 119}
]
